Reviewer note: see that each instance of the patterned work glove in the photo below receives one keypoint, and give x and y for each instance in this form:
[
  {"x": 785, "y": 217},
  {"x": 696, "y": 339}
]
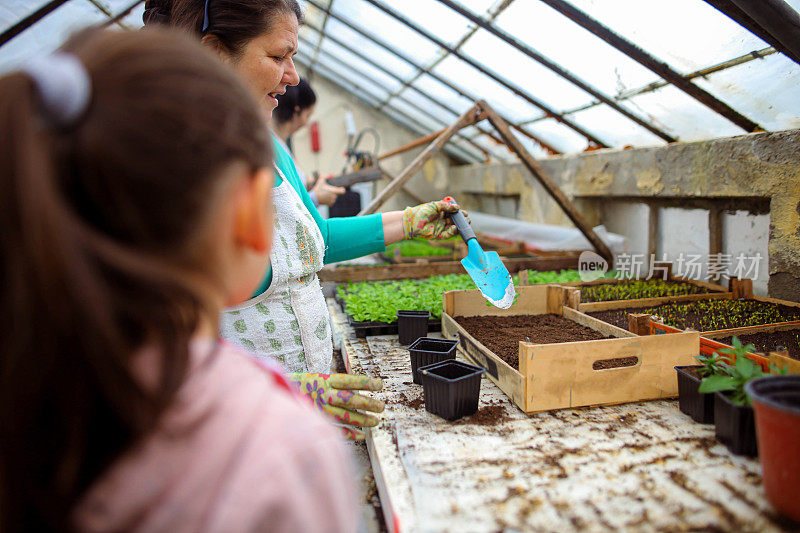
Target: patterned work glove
[
  {"x": 332, "y": 394},
  {"x": 430, "y": 221}
]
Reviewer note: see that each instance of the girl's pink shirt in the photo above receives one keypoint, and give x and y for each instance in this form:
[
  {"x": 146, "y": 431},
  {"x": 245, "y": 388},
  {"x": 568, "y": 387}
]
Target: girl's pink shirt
[{"x": 236, "y": 451}]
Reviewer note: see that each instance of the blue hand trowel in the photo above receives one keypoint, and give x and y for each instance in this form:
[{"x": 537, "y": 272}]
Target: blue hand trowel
[{"x": 485, "y": 268}]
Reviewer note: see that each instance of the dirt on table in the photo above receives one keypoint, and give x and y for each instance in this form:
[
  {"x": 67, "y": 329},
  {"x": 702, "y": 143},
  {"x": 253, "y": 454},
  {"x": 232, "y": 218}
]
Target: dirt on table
[
  {"x": 768, "y": 342},
  {"x": 501, "y": 334},
  {"x": 415, "y": 402},
  {"x": 707, "y": 315},
  {"x": 491, "y": 415}
]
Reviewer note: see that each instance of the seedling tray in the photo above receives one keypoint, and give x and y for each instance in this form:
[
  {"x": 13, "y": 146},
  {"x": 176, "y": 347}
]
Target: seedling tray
[
  {"x": 368, "y": 329},
  {"x": 424, "y": 270},
  {"x": 556, "y": 376}
]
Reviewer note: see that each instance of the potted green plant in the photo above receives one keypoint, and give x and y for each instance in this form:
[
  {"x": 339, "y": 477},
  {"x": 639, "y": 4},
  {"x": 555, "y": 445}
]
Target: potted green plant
[
  {"x": 776, "y": 402},
  {"x": 691, "y": 401},
  {"x": 733, "y": 411}
]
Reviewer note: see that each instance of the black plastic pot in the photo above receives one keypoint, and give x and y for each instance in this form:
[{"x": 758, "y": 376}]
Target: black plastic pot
[
  {"x": 735, "y": 426},
  {"x": 451, "y": 388},
  {"x": 411, "y": 325},
  {"x": 695, "y": 404},
  {"x": 426, "y": 351}
]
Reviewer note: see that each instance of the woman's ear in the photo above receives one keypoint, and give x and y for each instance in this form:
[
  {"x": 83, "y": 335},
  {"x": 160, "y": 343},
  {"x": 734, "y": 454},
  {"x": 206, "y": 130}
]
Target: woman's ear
[
  {"x": 213, "y": 42},
  {"x": 253, "y": 227}
]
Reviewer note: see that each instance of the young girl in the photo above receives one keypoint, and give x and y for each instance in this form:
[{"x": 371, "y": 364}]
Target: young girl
[{"x": 136, "y": 190}]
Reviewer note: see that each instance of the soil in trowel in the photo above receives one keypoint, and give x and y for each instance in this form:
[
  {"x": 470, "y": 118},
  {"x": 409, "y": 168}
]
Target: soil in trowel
[{"x": 501, "y": 334}]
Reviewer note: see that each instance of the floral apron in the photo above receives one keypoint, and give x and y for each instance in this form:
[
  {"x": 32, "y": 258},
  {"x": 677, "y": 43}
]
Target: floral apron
[{"x": 289, "y": 322}]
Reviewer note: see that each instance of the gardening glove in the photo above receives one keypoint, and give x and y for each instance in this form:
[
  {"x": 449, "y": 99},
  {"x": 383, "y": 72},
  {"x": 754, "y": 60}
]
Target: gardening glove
[
  {"x": 333, "y": 394},
  {"x": 430, "y": 221}
]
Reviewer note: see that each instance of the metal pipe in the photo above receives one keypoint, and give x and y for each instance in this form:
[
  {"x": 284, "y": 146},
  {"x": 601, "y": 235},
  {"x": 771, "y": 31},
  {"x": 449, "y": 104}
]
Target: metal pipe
[
  {"x": 779, "y": 19},
  {"x": 554, "y": 67},
  {"x": 488, "y": 72},
  {"x": 650, "y": 87},
  {"x": 463, "y": 92},
  {"x": 650, "y": 62}
]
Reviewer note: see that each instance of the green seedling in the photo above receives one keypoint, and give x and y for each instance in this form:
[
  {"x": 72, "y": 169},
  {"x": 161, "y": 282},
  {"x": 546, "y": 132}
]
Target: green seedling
[
  {"x": 379, "y": 301},
  {"x": 417, "y": 248},
  {"x": 734, "y": 377},
  {"x": 712, "y": 364}
]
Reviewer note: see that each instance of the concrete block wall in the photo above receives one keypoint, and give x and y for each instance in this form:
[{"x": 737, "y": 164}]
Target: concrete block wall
[{"x": 754, "y": 180}]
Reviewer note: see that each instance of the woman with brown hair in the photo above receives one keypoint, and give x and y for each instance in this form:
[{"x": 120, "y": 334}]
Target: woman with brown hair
[
  {"x": 136, "y": 177},
  {"x": 287, "y": 318}
]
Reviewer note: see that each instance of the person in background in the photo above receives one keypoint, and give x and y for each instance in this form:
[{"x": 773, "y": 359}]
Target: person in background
[
  {"x": 136, "y": 173},
  {"x": 286, "y": 318},
  {"x": 295, "y": 106}
]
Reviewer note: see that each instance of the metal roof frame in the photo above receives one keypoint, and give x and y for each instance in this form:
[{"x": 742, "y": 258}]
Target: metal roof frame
[
  {"x": 490, "y": 73},
  {"x": 410, "y": 122},
  {"x": 392, "y": 75},
  {"x": 372, "y": 80},
  {"x": 463, "y": 92},
  {"x": 554, "y": 67},
  {"x": 655, "y": 65},
  {"x": 650, "y": 87},
  {"x": 772, "y": 21}
]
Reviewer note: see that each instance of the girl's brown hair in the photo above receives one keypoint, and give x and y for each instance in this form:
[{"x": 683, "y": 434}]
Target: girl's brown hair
[
  {"x": 232, "y": 22},
  {"x": 96, "y": 223}
]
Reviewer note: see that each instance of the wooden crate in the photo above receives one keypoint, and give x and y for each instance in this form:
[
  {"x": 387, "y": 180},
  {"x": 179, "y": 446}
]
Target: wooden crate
[
  {"x": 556, "y": 376},
  {"x": 709, "y": 345},
  {"x": 426, "y": 270}
]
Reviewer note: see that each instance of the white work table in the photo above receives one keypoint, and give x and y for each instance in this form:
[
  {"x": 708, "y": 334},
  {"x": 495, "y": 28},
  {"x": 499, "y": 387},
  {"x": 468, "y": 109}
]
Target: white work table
[{"x": 642, "y": 466}]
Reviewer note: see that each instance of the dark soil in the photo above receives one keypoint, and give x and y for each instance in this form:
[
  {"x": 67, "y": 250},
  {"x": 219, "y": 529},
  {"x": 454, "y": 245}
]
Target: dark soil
[
  {"x": 767, "y": 342},
  {"x": 707, "y": 315},
  {"x": 502, "y": 334},
  {"x": 414, "y": 403},
  {"x": 486, "y": 416},
  {"x": 615, "y": 363},
  {"x": 338, "y": 363}
]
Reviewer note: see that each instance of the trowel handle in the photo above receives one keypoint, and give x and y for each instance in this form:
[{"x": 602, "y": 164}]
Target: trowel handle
[{"x": 463, "y": 226}]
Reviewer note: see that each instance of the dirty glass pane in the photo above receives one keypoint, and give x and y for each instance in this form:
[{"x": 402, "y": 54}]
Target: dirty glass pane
[
  {"x": 614, "y": 128},
  {"x": 49, "y": 33},
  {"x": 412, "y": 111},
  {"x": 681, "y": 115},
  {"x": 343, "y": 72},
  {"x": 390, "y": 30},
  {"x": 534, "y": 78},
  {"x": 485, "y": 88},
  {"x": 574, "y": 48},
  {"x": 686, "y": 34},
  {"x": 441, "y": 92},
  {"x": 431, "y": 16},
  {"x": 370, "y": 49},
  {"x": 767, "y": 91},
  {"x": 558, "y": 135},
  {"x": 12, "y": 11},
  {"x": 332, "y": 53}
]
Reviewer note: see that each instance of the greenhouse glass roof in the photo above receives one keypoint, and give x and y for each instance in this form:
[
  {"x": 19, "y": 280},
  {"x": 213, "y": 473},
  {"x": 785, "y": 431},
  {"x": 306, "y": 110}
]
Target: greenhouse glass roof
[{"x": 569, "y": 75}]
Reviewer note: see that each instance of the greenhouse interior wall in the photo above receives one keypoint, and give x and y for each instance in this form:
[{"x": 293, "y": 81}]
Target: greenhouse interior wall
[{"x": 753, "y": 180}]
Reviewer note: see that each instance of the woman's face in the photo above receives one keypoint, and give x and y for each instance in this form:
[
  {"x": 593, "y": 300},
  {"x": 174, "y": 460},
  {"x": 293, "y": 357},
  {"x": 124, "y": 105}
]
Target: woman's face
[
  {"x": 301, "y": 118},
  {"x": 266, "y": 63}
]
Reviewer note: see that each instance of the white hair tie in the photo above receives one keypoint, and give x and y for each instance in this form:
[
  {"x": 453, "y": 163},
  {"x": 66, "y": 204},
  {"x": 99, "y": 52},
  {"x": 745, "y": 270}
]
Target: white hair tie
[{"x": 64, "y": 87}]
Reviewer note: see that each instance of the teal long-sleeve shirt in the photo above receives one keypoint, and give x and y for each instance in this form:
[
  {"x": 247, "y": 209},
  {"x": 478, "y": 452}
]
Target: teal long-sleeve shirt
[{"x": 345, "y": 238}]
